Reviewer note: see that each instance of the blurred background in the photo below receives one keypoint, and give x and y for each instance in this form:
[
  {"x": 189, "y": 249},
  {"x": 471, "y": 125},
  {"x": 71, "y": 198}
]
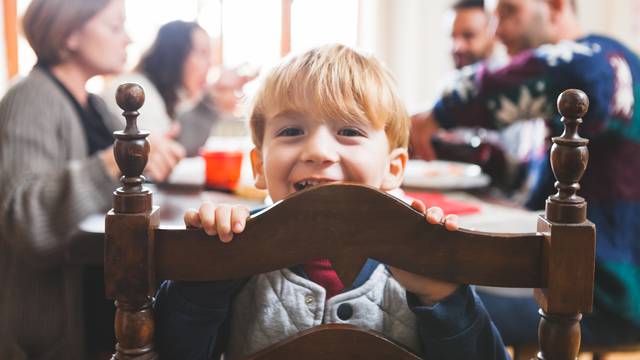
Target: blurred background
[
  {"x": 413, "y": 38},
  {"x": 409, "y": 36}
]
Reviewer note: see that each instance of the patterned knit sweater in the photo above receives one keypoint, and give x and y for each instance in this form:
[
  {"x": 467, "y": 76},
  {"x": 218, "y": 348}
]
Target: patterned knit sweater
[
  {"x": 528, "y": 87},
  {"x": 48, "y": 184}
]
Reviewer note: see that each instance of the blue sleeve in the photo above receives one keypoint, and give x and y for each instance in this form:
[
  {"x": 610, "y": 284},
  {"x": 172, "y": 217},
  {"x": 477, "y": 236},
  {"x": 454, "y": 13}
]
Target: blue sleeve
[
  {"x": 192, "y": 318},
  {"x": 458, "y": 327}
]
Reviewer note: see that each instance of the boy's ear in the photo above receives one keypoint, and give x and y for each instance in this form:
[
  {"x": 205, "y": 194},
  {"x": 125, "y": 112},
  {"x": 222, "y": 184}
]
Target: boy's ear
[
  {"x": 395, "y": 172},
  {"x": 257, "y": 165}
]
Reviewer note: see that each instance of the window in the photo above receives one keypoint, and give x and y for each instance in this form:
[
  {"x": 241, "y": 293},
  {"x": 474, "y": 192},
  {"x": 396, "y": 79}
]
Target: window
[
  {"x": 316, "y": 22},
  {"x": 251, "y": 32},
  {"x": 243, "y": 31}
]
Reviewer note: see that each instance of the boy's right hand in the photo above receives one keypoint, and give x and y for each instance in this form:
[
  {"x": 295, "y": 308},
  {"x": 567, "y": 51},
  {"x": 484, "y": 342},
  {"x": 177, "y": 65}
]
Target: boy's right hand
[{"x": 223, "y": 220}]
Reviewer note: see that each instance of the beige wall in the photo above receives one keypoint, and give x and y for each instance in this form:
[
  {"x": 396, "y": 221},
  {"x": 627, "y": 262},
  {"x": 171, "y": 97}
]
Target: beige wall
[
  {"x": 618, "y": 18},
  {"x": 409, "y": 36}
]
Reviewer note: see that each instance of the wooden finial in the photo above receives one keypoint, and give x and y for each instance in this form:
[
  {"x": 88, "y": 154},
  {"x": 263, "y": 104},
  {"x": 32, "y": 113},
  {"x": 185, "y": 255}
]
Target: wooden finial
[
  {"x": 128, "y": 265},
  {"x": 131, "y": 148},
  {"x": 569, "y": 157},
  {"x": 130, "y": 98}
]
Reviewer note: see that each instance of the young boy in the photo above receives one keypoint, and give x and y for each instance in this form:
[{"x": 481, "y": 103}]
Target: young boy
[{"x": 330, "y": 114}]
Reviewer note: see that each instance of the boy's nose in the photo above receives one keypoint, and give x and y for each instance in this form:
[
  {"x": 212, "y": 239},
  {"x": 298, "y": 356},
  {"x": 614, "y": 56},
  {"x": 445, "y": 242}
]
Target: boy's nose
[{"x": 320, "y": 147}]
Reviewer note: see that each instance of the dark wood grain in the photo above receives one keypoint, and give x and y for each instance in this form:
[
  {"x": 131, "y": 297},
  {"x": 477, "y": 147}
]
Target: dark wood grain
[
  {"x": 328, "y": 342},
  {"x": 569, "y": 250},
  {"x": 348, "y": 224},
  {"x": 129, "y": 237}
]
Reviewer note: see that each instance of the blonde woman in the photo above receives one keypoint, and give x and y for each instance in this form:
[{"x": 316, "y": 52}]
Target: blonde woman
[{"x": 56, "y": 168}]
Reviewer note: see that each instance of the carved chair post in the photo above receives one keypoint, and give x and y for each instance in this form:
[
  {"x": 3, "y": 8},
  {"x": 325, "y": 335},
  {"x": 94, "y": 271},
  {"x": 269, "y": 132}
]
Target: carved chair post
[
  {"x": 567, "y": 234},
  {"x": 129, "y": 237}
]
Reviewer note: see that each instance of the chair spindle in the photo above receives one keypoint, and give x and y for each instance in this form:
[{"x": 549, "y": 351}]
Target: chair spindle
[
  {"x": 569, "y": 231},
  {"x": 130, "y": 237}
]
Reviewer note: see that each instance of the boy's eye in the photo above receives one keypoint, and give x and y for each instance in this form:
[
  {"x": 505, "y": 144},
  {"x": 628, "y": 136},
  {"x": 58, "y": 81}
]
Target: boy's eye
[
  {"x": 290, "y": 131},
  {"x": 350, "y": 132}
]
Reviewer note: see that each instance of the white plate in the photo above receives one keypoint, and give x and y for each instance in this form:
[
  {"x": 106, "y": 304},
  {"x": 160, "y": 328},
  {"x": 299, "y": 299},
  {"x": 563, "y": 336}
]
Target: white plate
[
  {"x": 189, "y": 171},
  {"x": 439, "y": 174}
]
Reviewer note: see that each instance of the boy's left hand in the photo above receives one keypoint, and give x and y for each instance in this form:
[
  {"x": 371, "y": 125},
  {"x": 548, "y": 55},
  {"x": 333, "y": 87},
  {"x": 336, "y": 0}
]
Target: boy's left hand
[{"x": 428, "y": 290}]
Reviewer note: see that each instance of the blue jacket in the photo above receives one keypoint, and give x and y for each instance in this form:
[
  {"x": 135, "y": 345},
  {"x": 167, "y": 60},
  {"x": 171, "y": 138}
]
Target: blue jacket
[{"x": 193, "y": 321}]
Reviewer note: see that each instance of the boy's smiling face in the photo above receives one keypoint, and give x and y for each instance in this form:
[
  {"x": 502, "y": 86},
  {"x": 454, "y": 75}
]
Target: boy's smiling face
[{"x": 299, "y": 151}]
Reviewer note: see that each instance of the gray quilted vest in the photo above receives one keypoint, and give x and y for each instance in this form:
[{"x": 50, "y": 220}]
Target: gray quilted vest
[{"x": 276, "y": 305}]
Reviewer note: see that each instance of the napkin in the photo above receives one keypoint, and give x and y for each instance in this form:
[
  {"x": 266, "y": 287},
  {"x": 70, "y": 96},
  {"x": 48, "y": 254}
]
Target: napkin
[{"x": 448, "y": 205}]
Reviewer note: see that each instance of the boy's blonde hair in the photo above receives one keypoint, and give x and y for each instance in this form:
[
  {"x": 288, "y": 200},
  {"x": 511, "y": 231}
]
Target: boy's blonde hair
[{"x": 332, "y": 82}]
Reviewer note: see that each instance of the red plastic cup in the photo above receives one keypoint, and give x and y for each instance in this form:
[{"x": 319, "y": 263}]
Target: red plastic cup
[{"x": 222, "y": 168}]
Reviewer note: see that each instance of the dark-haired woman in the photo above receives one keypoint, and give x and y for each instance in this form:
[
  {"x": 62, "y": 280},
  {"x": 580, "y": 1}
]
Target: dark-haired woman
[{"x": 173, "y": 73}]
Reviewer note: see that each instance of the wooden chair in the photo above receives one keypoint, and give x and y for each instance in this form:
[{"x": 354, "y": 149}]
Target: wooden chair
[
  {"x": 522, "y": 352},
  {"x": 348, "y": 224}
]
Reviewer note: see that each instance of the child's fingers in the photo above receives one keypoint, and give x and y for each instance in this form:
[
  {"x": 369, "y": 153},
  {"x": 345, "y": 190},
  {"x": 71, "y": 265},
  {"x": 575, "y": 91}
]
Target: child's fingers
[
  {"x": 207, "y": 215},
  {"x": 192, "y": 219},
  {"x": 451, "y": 222},
  {"x": 239, "y": 215},
  {"x": 223, "y": 222},
  {"x": 434, "y": 215},
  {"x": 418, "y": 205}
]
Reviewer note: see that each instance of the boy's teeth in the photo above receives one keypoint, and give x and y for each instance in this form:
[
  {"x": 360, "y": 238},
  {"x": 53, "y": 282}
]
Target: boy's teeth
[{"x": 306, "y": 183}]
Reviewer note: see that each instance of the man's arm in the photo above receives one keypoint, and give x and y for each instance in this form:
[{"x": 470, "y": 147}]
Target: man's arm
[{"x": 423, "y": 127}]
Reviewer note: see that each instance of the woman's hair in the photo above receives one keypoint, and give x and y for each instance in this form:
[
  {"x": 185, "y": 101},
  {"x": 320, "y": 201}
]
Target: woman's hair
[
  {"x": 332, "y": 81},
  {"x": 49, "y": 23},
  {"x": 164, "y": 62}
]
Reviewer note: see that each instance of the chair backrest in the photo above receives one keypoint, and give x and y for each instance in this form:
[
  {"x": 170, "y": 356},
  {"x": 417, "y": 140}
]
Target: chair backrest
[{"x": 348, "y": 224}]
